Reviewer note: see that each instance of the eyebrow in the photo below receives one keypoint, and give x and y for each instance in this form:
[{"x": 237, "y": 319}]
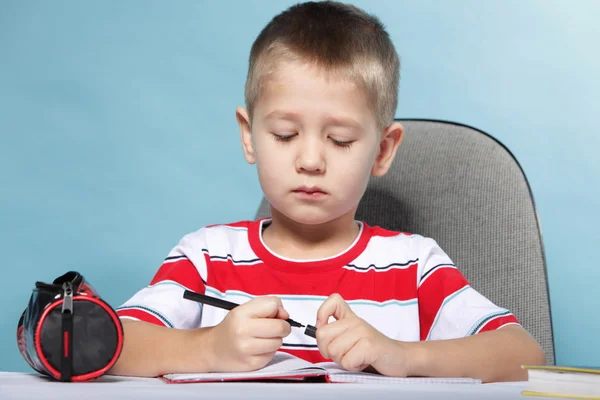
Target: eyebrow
[
  {"x": 334, "y": 121},
  {"x": 290, "y": 116},
  {"x": 344, "y": 122}
]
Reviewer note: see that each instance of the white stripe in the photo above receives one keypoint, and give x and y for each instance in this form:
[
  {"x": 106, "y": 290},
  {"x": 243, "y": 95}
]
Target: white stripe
[
  {"x": 446, "y": 300},
  {"x": 387, "y": 250},
  {"x": 459, "y": 314},
  {"x": 299, "y": 297},
  {"x": 395, "y": 319},
  {"x": 128, "y": 317},
  {"x": 430, "y": 255},
  {"x": 166, "y": 299},
  {"x": 222, "y": 241},
  {"x": 169, "y": 282},
  {"x": 231, "y": 228}
]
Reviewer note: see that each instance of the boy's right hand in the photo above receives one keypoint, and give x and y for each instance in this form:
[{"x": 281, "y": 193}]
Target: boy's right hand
[{"x": 249, "y": 335}]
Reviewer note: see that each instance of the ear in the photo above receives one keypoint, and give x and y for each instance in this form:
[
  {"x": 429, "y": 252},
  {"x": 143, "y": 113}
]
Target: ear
[
  {"x": 390, "y": 141},
  {"x": 245, "y": 134}
]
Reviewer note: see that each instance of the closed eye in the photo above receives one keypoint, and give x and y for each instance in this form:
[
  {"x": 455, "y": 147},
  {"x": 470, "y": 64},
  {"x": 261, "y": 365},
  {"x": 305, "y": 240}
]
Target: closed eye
[
  {"x": 284, "y": 138},
  {"x": 340, "y": 143}
]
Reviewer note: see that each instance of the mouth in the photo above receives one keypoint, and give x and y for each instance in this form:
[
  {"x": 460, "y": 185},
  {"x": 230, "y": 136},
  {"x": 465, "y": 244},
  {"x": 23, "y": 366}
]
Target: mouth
[{"x": 310, "y": 191}]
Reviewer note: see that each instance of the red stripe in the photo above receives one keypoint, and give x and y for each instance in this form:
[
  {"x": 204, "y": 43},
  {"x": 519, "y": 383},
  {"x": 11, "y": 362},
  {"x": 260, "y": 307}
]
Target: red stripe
[
  {"x": 498, "y": 322},
  {"x": 239, "y": 224},
  {"x": 141, "y": 315},
  {"x": 180, "y": 271},
  {"x": 442, "y": 283},
  {"x": 261, "y": 280},
  {"x": 379, "y": 231},
  {"x": 66, "y": 344}
]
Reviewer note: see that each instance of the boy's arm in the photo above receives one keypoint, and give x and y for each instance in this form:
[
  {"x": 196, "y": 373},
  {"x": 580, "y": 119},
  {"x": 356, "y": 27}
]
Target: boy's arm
[
  {"x": 150, "y": 350},
  {"x": 491, "y": 356}
]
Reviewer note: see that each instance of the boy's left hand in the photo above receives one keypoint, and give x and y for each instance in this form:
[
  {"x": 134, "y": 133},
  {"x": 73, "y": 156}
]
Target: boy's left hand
[{"x": 354, "y": 344}]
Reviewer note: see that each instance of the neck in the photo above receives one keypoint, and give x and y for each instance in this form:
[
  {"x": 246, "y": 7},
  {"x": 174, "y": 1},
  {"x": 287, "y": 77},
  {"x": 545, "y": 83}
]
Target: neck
[{"x": 302, "y": 241}]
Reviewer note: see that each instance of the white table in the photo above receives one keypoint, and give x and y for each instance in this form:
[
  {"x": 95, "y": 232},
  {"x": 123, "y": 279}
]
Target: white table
[{"x": 16, "y": 386}]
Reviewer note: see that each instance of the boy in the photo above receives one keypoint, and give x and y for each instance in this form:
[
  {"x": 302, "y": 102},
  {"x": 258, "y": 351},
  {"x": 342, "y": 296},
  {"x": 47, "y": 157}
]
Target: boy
[{"x": 321, "y": 93}]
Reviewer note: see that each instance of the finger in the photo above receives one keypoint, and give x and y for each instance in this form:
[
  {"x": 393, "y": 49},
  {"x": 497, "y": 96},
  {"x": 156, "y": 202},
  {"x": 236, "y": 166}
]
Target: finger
[
  {"x": 335, "y": 307},
  {"x": 342, "y": 344},
  {"x": 268, "y": 328},
  {"x": 356, "y": 358},
  {"x": 327, "y": 333},
  {"x": 262, "y": 307}
]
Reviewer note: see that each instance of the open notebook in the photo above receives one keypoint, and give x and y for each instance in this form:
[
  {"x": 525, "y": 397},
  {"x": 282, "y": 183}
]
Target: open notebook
[{"x": 287, "y": 367}]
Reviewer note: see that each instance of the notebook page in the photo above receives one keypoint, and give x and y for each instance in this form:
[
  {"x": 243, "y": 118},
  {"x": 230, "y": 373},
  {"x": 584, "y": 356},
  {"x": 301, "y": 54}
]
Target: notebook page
[
  {"x": 282, "y": 364},
  {"x": 365, "y": 377},
  {"x": 339, "y": 374}
]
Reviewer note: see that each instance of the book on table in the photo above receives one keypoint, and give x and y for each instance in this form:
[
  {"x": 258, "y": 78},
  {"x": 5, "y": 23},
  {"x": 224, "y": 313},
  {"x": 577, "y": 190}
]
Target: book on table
[
  {"x": 286, "y": 367},
  {"x": 562, "y": 381}
]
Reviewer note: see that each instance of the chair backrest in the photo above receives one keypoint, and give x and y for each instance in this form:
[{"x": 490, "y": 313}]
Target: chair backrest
[{"x": 461, "y": 187}]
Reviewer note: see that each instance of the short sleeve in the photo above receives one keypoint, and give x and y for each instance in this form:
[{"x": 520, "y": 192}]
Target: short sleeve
[
  {"x": 162, "y": 302},
  {"x": 448, "y": 306}
]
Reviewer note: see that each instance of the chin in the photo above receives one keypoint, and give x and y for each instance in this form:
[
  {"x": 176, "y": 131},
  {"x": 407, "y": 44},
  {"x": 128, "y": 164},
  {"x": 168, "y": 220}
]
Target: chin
[
  {"x": 308, "y": 220},
  {"x": 311, "y": 217}
]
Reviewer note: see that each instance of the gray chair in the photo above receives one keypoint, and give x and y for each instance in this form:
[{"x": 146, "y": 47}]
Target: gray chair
[{"x": 461, "y": 187}]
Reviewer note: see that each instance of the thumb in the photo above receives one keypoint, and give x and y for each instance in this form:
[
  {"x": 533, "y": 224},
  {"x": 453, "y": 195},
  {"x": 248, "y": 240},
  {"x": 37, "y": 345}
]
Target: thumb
[
  {"x": 335, "y": 307},
  {"x": 282, "y": 313}
]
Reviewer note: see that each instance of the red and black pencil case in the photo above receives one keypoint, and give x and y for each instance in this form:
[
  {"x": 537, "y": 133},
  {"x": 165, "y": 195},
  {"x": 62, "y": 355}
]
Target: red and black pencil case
[{"x": 68, "y": 332}]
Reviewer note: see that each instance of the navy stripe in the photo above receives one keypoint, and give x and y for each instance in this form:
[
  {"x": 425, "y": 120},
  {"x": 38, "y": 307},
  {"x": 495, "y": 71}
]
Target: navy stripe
[
  {"x": 150, "y": 311},
  {"x": 175, "y": 258},
  {"x": 434, "y": 268},
  {"x": 306, "y": 346},
  {"x": 488, "y": 319},
  {"x": 383, "y": 268},
  {"x": 230, "y": 257}
]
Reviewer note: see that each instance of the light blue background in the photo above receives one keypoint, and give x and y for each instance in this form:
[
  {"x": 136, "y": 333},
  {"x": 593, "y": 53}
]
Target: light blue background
[{"x": 118, "y": 133}]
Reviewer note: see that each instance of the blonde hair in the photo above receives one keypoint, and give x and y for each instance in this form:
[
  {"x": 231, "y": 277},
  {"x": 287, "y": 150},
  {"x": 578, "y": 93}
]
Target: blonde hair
[{"x": 338, "y": 38}]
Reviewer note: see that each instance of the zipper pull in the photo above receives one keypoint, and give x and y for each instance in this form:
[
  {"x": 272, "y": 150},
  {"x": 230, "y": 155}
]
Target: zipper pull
[{"x": 67, "y": 306}]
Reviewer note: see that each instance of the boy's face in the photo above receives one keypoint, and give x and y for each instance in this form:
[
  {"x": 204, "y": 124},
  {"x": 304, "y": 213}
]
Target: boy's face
[{"x": 315, "y": 141}]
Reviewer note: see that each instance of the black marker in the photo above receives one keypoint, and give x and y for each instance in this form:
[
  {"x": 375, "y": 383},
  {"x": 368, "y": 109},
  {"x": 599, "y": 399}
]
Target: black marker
[{"x": 227, "y": 305}]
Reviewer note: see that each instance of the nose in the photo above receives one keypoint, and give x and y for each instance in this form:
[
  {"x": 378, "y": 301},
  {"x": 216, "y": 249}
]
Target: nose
[{"x": 311, "y": 157}]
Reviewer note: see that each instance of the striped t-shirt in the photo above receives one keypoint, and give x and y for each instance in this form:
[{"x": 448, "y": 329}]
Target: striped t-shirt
[{"x": 402, "y": 284}]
